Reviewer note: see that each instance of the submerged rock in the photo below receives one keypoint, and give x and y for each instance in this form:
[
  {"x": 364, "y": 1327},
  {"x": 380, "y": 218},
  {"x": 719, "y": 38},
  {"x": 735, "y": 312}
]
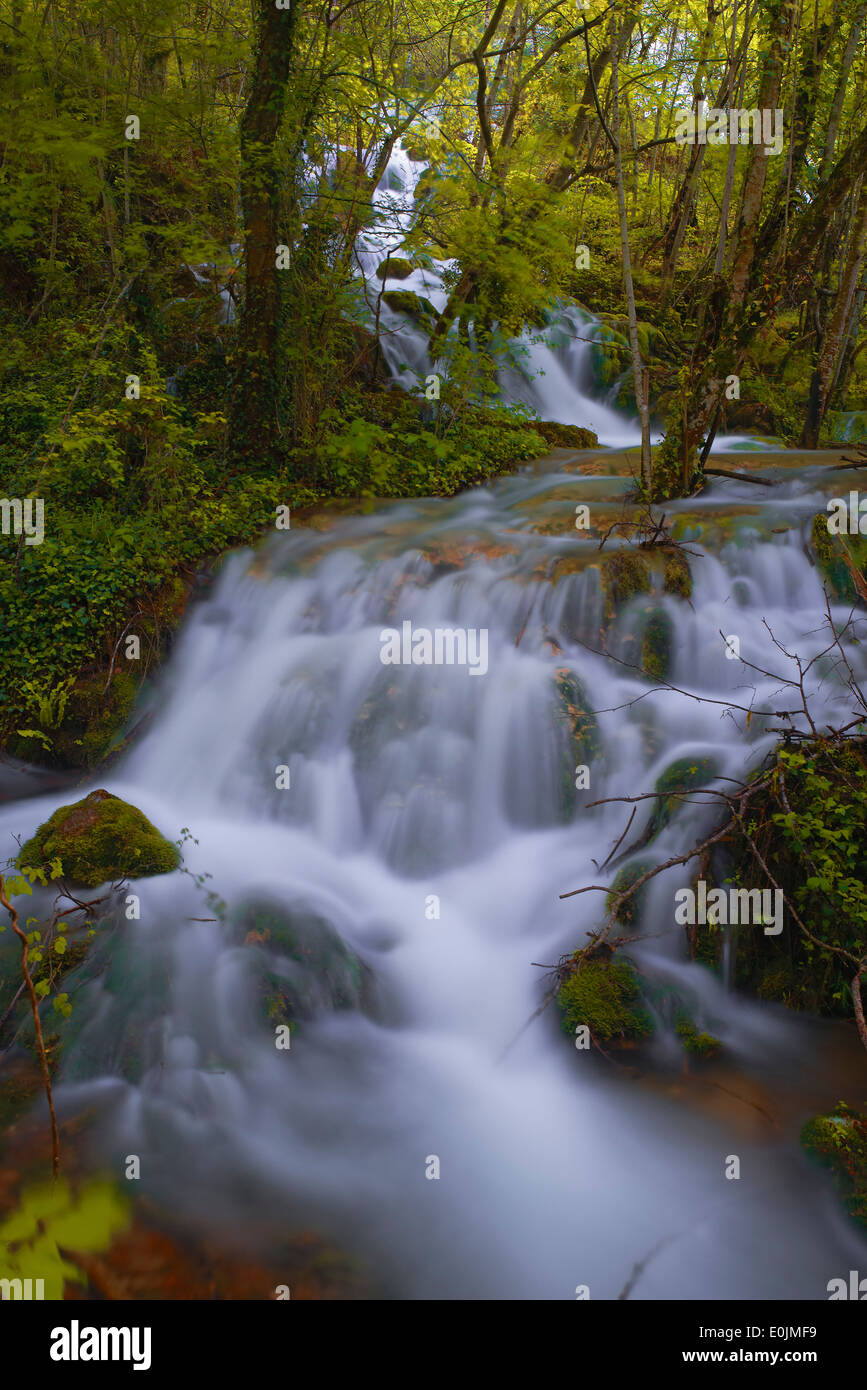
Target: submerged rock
[
  {"x": 303, "y": 966},
  {"x": 99, "y": 839}
]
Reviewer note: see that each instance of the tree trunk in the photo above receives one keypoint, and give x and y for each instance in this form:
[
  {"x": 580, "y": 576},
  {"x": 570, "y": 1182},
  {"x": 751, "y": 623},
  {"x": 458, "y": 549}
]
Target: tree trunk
[
  {"x": 837, "y": 331},
  {"x": 255, "y": 423},
  {"x": 638, "y": 372}
]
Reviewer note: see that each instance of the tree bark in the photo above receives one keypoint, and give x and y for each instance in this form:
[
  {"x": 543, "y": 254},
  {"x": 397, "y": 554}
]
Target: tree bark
[
  {"x": 255, "y": 418},
  {"x": 836, "y": 333}
]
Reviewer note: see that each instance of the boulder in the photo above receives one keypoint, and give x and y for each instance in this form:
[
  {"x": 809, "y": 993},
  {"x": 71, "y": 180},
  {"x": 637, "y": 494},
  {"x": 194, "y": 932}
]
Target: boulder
[{"x": 99, "y": 839}]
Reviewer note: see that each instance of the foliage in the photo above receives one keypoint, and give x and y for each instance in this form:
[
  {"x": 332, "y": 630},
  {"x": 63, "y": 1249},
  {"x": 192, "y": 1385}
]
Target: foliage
[{"x": 52, "y": 1223}]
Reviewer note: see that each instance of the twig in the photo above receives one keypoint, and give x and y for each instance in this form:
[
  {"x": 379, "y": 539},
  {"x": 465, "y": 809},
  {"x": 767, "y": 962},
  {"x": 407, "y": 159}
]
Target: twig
[{"x": 37, "y": 1022}]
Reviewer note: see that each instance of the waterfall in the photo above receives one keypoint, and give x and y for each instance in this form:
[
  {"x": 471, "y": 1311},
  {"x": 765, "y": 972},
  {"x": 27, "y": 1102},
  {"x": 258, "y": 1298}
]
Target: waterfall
[{"x": 425, "y": 832}]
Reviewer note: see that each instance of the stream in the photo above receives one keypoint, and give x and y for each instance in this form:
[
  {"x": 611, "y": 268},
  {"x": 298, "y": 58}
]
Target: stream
[{"x": 415, "y": 783}]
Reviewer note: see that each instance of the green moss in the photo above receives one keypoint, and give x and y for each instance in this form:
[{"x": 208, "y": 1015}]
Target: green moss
[
  {"x": 677, "y": 577},
  {"x": 406, "y": 302},
  {"x": 683, "y": 775},
  {"x": 839, "y": 1141},
  {"x": 604, "y": 994},
  {"x": 695, "y": 1043},
  {"x": 625, "y": 573},
  {"x": 395, "y": 268},
  {"x": 566, "y": 436},
  {"x": 99, "y": 839},
  {"x": 657, "y": 644},
  {"x": 629, "y": 912}
]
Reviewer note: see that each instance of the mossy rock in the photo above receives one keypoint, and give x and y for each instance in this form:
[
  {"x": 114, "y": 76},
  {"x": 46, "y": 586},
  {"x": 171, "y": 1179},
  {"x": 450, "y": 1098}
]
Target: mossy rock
[
  {"x": 683, "y": 775},
  {"x": 839, "y": 1141},
  {"x": 575, "y": 709},
  {"x": 677, "y": 577},
  {"x": 604, "y": 993},
  {"x": 697, "y": 1044},
  {"x": 415, "y": 305},
  {"x": 657, "y": 644},
  {"x": 830, "y": 551},
  {"x": 99, "y": 839},
  {"x": 610, "y": 356},
  {"x": 581, "y": 743},
  {"x": 303, "y": 967},
  {"x": 395, "y": 268},
  {"x": 629, "y": 912},
  {"x": 625, "y": 574}
]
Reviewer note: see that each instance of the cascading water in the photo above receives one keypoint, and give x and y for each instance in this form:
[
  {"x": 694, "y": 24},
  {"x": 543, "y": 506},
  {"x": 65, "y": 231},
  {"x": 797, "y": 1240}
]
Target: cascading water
[
  {"x": 550, "y": 370},
  {"x": 409, "y": 783}
]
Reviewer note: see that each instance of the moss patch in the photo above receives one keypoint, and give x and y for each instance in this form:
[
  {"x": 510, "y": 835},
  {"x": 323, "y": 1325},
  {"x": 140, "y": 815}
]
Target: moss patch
[
  {"x": 395, "y": 268},
  {"x": 677, "y": 577},
  {"x": 657, "y": 644},
  {"x": 625, "y": 573},
  {"x": 98, "y": 839},
  {"x": 629, "y": 912},
  {"x": 683, "y": 775},
  {"x": 604, "y": 994},
  {"x": 695, "y": 1043}
]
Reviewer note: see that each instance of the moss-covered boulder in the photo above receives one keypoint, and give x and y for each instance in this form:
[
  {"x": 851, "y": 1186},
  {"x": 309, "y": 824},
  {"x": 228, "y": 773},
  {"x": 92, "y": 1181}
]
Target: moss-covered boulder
[
  {"x": 578, "y": 735},
  {"x": 98, "y": 839},
  {"x": 301, "y": 965},
  {"x": 395, "y": 268},
  {"x": 416, "y": 306},
  {"x": 604, "y": 994},
  {"x": 839, "y": 1141}
]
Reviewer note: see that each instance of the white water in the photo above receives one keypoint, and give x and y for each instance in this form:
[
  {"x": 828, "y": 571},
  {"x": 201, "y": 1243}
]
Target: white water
[
  {"x": 554, "y": 1171},
  {"x": 549, "y": 370}
]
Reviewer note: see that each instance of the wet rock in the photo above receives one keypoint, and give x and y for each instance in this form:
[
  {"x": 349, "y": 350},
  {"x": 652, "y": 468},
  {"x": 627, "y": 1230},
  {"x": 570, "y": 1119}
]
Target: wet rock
[
  {"x": 629, "y": 912},
  {"x": 99, "y": 839},
  {"x": 657, "y": 643},
  {"x": 604, "y": 994},
  {"x": 303, "y": 967},
  {"x": 683, "y": 775},
  {"x": 625, "y": 573},
  {"x": 416, "y": 306}
]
